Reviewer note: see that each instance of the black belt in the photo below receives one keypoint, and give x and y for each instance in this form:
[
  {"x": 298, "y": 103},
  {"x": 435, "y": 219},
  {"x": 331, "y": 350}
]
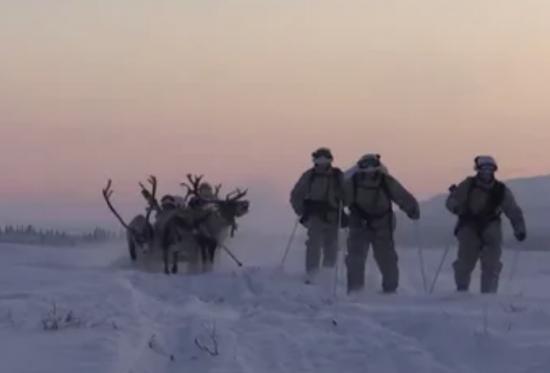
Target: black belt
[
  {"x": 480, "y": 222},
  {"x": 368, "y": 217}
]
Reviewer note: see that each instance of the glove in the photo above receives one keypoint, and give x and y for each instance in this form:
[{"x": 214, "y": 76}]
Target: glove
[
  {"x": 414, "y": 215},
  {"x": 452, "y": 188},
  {"x": 520, "y": 236}
]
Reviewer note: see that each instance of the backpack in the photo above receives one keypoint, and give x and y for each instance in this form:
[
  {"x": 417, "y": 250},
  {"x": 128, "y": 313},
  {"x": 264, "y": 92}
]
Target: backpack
[
  {"x": 382, "y": 187},
  {"x": 491, "y": 211},
  {"x": 336, "y": 175},
  {"x": 322, "y": 208}
]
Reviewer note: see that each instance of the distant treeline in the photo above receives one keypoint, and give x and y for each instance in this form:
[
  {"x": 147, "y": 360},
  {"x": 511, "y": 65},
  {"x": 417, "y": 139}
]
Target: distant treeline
[{"x": 33, "y": 236}]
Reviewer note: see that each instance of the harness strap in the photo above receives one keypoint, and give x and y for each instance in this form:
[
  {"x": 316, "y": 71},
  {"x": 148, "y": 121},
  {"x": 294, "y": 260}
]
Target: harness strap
[{"x": 491, "y": 211}]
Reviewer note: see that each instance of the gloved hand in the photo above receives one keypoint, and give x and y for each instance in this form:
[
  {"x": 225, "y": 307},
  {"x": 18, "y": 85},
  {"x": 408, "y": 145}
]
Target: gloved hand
[
  {"x": 520, "y": 236},
  {"x": 414, "y": 215},
  {"x": 452, "y": 188}
]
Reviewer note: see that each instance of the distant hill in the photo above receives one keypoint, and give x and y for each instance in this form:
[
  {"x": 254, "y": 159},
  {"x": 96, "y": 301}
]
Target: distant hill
[{"x": 533, "y": 195}]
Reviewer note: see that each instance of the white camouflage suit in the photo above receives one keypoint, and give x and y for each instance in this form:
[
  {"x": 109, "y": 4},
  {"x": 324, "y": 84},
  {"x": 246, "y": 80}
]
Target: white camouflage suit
[{"x": 479, "y": 230}]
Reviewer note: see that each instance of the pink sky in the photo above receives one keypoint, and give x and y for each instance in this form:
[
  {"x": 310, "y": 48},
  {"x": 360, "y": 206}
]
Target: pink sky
[{"x": 243, "y": 91}]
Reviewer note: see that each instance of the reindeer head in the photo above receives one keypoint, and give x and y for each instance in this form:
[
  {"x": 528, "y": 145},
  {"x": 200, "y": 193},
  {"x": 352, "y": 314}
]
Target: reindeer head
[
  {"x": 141, "y": 232},
  {"x": 233, "y": 206}
]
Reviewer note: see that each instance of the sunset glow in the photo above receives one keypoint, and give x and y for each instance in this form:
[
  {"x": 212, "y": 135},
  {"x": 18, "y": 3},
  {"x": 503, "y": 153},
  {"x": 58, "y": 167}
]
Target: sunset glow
[{"x": 243, "y": 91}]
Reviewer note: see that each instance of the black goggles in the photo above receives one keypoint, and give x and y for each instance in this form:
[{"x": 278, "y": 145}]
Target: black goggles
[{"x": 369, "y": 163}]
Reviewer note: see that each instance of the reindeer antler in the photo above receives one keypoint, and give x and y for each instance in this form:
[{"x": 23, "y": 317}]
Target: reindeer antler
[
  {"x": 236, "y": 194},
  {"x": 217, "y": 190},
  {"x": 150, "y": 196},
  {"x": 107, "y": 193},
  {"x": 193, "y": 187}
]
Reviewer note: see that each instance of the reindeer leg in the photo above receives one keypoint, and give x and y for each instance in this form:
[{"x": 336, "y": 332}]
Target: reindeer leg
[
  {"x": 209, "y": 249},
  {"x": 132, "y": 249},
  {"x": 212, "y": 251},
  {"x": 165, "y": 259},
  {"x": 175, "y": 259},
  {"x": 204, "y": 256},
  {"x": 204, "y": 253}
]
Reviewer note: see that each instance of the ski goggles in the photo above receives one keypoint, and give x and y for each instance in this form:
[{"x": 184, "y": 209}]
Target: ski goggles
[
  {"x": 485, "y": 162},
  {"x": 322, "y": 161},
  {"x": 168, "y": 201},
  {"x": 369, "y": 163},
  {"x": 487, "y": 168}
]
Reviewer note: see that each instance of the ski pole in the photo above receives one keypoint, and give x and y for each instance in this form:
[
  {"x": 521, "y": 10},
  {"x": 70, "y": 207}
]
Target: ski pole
[
  {"x": 289, "y": 244},
  {"x": 420, "y": 256},
  {"x": 513, "y": 268},
  {"x": 441, "y": 263},
  {"x": 336, "y": 265},
  {"x": 235, "y": 259}
]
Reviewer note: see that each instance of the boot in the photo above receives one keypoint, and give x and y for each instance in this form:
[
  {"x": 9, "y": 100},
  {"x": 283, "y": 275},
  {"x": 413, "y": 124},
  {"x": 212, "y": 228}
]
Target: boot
[
  {"x": 389, "y": 290},
  {"x": 311, "y": 277},
  {"x": 356, "y": 281},
  {"x": 462, "y": 288},
  {"x": 489, "y": 283}
]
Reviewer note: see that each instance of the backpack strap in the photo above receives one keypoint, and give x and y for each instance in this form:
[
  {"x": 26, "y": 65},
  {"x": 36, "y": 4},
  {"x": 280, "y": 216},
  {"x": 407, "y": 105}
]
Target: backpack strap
[
  {"x": 322, "y": 208},
  {"x": 336, "y": 175},
  {"x": 381, "y": 187},
  {"x": 491, "y": 211},
  {"x": 386, "y": 189},
  {"x": 496, "y": 198}
]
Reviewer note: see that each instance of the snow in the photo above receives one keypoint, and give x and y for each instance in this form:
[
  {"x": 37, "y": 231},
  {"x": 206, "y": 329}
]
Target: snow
[{"x": 128, "y": 319}]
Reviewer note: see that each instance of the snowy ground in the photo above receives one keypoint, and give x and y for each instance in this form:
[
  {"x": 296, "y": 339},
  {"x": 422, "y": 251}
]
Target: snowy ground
[{"x": 125, "y": 320}]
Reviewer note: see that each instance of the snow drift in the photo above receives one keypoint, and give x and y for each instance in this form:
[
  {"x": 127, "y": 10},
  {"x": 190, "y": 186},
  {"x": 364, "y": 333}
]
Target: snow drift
[{"x": 112, "y": 317}]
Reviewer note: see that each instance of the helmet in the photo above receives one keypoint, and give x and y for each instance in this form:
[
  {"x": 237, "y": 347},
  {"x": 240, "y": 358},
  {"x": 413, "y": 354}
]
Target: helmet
[
  {"x": 205, "y": 186},
  {"x": 371, "y": 161},
  {"x": 322, "y": 152},
  {"x": 322, "y": 156},
  {"x": 168, "y": 201},
  {"x": 206, "y": 190},
  {"x": 486, "y": 162}
]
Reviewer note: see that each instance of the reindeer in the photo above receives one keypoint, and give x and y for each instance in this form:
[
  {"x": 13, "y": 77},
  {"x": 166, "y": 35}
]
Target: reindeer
[
  {"x": 214, "y": 217},
  {"x": 184, "y": 231},
  {"x": 172, "y": 229},
  {"x": 140, "y": 232},
  {"x": 229, "y": 209}
]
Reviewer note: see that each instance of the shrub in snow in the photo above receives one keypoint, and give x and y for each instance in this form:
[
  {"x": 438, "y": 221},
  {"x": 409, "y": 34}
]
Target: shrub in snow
[{"x": 56, "y": 320}]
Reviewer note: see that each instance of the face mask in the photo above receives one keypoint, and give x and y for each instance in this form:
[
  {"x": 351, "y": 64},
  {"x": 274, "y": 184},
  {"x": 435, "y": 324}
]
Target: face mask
[
  {"x": 206, "y": 194},
  {"x": 322, "y": 161},
  {"x": 168, "y": 206},
  {"x": 486, "y": 174}
]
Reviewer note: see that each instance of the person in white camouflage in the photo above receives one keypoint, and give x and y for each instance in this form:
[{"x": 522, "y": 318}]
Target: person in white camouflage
[
  {"x": 478, "y": 202},
  {"x": 370, "y": 193},
  {"x": 317, "y": 198}
]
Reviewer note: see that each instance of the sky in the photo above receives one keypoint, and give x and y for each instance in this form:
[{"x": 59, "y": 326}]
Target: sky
[{"x": 244, "y": 91}]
